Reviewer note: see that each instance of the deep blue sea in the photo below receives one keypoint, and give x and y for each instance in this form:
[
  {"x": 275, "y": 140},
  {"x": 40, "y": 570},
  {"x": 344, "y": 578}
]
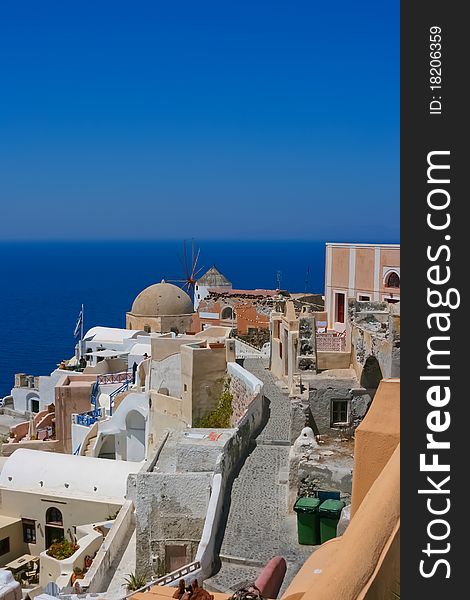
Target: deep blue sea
[{"x": 43, "y": 284}]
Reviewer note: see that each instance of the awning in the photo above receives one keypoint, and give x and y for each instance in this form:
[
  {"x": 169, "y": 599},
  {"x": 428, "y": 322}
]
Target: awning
[{"x": 108, "y": 353}]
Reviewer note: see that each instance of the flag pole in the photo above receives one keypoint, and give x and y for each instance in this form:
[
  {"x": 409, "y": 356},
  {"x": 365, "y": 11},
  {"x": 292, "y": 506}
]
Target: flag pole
[{"x": 81, "y": 335}]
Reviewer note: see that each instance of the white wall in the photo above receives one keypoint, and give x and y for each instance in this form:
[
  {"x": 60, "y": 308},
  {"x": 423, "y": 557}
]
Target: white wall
[
  {"x": 46, "y": 392},
  {"x": 166, "y": 373},
  {"x": 29, "y": 505}
]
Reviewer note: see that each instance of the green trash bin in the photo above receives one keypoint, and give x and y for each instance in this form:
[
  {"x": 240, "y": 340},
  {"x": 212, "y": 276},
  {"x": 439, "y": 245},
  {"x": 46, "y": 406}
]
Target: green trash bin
[
  {"x": 330, "y": 511},
  {"x": 308, "y": 524}
]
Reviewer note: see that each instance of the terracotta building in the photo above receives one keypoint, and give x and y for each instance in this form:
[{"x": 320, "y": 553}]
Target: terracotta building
[
  {"x": 243, "y": 310},
  {"x": 365, "y": 272}
]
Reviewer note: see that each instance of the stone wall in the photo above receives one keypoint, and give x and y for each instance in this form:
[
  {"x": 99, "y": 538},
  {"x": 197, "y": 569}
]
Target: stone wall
[
  {"x": 327, "y": 469},
  {"x": 321, "y": 395},
  {"x": 375, "y": 333},
  {"x": 170, "y": 510},
  {"x": 306, "y": 355},
  {"x": 244, "y": 388}
]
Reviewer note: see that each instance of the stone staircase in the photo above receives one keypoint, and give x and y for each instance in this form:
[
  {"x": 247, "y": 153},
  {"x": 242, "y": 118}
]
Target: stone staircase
[{"x": 89, "y": 447}]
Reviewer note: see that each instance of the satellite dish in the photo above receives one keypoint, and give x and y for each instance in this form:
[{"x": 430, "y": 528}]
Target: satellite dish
[{"x": 104, "y": 401}]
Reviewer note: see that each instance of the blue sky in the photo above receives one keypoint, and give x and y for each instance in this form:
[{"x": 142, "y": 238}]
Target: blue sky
[{"x": 238, "y": 119}]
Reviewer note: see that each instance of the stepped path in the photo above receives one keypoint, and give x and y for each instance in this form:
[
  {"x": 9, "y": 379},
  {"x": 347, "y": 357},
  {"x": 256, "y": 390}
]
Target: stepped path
[{"x": 258, "y": 526}]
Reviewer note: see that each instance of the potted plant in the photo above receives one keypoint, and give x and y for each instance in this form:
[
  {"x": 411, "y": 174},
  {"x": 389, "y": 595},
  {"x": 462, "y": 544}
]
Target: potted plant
[
  {"x": 134, "y": 582},
  {"x": 62, "y": 549},
  {"x": 77, "y": 574}
]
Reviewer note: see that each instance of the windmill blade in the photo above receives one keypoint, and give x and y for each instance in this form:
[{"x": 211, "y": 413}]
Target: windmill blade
[
  {"x": 192, "y": 252},
  {"x": 198, "y": 271},
  {"x": 193, "y": 274}
]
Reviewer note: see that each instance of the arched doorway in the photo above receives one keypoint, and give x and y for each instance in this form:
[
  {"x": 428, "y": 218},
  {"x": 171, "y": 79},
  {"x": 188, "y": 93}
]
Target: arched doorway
[
  {"x": 135, "y": 436},
  {"x": 54, "y": 529},
  {"x": 371, "y": 374}
]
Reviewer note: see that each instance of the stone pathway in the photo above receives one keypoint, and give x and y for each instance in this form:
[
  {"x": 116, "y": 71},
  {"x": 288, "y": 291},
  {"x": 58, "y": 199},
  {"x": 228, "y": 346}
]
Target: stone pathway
[{"x": 258, "y": 526}]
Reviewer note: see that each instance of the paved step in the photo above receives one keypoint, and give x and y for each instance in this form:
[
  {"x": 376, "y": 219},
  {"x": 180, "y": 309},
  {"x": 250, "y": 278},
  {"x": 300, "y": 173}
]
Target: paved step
[{"x": 89, "y": 446}]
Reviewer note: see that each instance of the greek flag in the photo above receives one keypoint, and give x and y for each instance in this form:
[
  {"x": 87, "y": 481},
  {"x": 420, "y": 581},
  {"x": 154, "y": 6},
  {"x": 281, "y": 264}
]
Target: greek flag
[{"x": 78, "y": 326}]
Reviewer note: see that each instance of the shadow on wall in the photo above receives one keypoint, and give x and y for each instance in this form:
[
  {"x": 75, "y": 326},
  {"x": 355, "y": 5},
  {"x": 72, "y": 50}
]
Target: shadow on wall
[{"x": 371, "y": 375}]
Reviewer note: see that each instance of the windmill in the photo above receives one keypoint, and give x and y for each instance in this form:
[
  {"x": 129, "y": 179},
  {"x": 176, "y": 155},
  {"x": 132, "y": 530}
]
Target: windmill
[{"x": 191, "y": 269}]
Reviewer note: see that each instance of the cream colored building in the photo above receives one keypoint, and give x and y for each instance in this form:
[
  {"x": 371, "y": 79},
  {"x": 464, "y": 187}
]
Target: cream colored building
[
  {"x": 185, "y": 379},
  {"x": 45, "y": 496},
  {"x": 161, "y": 308},
  {"x": 365, "y": 272}
]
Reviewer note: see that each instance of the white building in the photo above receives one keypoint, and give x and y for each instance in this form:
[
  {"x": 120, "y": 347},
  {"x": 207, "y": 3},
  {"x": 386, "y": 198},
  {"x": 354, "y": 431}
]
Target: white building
[
  {"x": 45, "y": 496},
  {"x": 101, "y": 343},
  {"x": 212, "y": 278}
]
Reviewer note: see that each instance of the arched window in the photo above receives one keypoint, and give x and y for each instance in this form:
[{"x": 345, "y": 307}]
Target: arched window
[
  {"x": 227, "y": 313},
  {"x": 392, "y": 280},
  {"x": 54, "y": 517}
]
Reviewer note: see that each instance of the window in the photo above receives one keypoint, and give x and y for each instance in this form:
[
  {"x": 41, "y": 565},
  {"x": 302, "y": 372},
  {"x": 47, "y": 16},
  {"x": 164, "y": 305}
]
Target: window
[
  {"x": 34, "y": 405},
  {"x": 392, "y": 280},
  {"x": 4, "y": 546},
  {"x": 54, "y": 517},
  {"x": 339, "y": 413},
  {"x": 363, "y": 298},
  {"x": 29, "y": 531},
  {"x": 185, "y": 387},
  {"x": 227, "y": 313},
  {"x": 147, "y": 328}
]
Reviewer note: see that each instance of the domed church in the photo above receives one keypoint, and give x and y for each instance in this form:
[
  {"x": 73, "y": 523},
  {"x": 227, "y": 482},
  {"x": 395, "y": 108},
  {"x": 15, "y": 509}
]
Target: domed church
[{"x": 161, "y": 308}]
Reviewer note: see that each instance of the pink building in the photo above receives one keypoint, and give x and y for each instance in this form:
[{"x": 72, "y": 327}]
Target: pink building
[{"x": 365, "y": 272}]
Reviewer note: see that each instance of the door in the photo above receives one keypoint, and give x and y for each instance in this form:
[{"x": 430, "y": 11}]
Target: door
[
  {"x": 53, "y": 534},
  {"x": 175, "y": 557},
  {"x": 135, "y": 434},
  {"x": 339, "y": 308},
  {"x": 54, "y": 529}
]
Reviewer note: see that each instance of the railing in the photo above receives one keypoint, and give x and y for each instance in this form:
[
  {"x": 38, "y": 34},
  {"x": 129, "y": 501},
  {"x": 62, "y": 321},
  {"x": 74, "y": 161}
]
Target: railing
[
  {"x": 331, "y": 342},
  {"x": 124, "y": 376},
  {"x": 247, "y": 344},
  {"x": 167, "y": 579},
  {"x": 88, "y": 418},
  {"x": 112, "y": 395},
  {"x": 94, "y": 393}
]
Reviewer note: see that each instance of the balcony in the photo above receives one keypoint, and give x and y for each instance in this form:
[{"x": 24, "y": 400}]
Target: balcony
[{"x": 331, "y": 341}]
